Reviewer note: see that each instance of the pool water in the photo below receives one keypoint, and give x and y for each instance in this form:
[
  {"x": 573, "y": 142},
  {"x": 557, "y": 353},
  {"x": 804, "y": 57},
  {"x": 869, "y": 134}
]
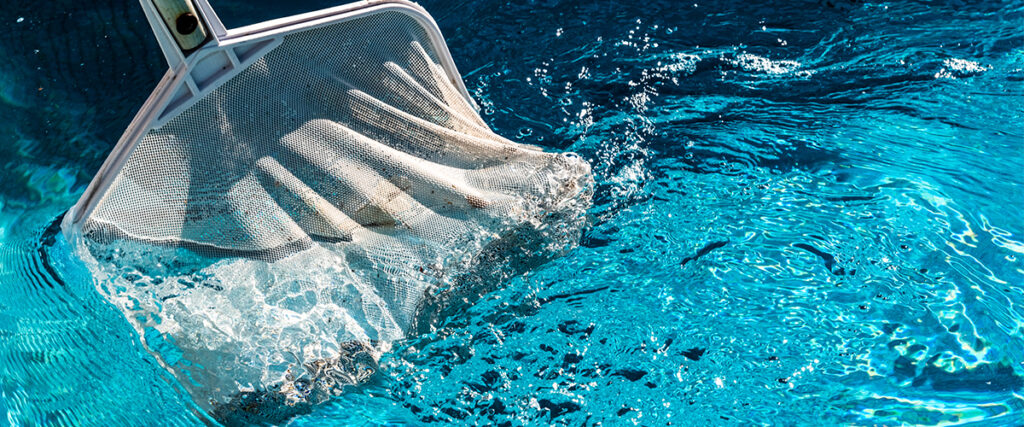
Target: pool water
[{"x": 806, "y": 212}]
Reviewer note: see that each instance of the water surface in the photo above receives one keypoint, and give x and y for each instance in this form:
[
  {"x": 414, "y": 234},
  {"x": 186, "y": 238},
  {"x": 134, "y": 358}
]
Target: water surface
[{"x": 807, "y": 212}]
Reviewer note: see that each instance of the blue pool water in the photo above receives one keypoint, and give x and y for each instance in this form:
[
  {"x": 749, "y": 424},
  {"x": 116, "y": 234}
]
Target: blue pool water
[{"x": 807, "y": 212}]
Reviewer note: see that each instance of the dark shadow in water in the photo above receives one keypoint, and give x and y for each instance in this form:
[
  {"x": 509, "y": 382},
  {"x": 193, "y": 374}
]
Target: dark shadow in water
[
  {"x": 46, "y": 241},
  {"x": 72, "y": 75}
]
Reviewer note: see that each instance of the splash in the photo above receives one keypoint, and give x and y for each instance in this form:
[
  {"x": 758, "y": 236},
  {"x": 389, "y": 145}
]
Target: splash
[
  {"x": 957, "y": 68},
  {"x": 258, "y": 340},
  {"x": 765, "y": 66}
]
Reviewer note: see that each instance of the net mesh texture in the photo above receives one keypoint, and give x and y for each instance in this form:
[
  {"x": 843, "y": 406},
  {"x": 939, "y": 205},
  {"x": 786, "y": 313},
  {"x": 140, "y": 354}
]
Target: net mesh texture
[{"x": 295, "y": 219}]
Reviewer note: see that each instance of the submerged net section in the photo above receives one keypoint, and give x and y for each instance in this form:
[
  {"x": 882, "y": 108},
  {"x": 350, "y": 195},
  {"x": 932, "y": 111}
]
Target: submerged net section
[{"x": 306, "y": 207}]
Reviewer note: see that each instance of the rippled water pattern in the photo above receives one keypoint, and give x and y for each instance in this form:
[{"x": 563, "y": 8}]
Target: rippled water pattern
[{"x": 807, "y": 212}]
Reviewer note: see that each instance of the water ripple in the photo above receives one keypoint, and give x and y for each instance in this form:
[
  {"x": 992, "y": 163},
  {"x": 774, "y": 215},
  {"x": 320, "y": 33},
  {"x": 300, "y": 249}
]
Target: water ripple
[{"x": 807, "y": 212}]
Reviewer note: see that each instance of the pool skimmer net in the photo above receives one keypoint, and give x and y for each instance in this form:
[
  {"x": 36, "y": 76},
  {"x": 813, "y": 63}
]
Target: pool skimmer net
[{"x": 344, "y": 134}]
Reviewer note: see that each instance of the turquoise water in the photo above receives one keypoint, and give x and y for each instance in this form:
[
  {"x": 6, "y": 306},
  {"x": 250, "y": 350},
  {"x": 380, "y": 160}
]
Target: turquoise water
[{"x": 806, "y": 213}]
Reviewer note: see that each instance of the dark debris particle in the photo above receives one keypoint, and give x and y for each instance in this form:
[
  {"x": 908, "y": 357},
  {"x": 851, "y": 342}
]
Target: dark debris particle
[
  {"x": 703, "y": 251},
  {"x": 783, "y": 380},
  {"x": 650, "y": 385},
  {"x": 624, "y": 410},
  {"x": 829, "y": 259},
  {"x": 773, "y": 358},
  {"x": 572, "y": 358},
  {"x": 546, "y": 300},
  {"x": 631, "y": 374},
  {"x": 695, "y": 353}
]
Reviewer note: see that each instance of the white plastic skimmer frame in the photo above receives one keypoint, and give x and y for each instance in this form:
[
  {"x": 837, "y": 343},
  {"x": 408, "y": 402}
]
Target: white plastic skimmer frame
[{"x": 225, "y": 54}]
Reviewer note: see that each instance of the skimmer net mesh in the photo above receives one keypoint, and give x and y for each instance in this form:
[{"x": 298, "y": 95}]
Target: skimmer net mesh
[{"x": 331, "y": 185}]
